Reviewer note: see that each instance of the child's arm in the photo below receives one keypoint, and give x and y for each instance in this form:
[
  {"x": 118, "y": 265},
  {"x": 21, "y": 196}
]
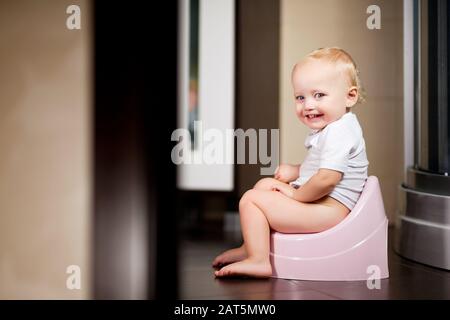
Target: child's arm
[{"x": 319, "y": 185}]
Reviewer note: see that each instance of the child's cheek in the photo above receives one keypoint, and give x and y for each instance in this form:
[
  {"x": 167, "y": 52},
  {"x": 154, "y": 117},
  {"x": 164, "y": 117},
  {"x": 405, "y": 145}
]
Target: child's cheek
[{"x": 300, "y": 117}]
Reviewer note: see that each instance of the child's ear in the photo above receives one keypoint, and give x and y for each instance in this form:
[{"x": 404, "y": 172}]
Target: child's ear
[{"x": 352, "y": 96}]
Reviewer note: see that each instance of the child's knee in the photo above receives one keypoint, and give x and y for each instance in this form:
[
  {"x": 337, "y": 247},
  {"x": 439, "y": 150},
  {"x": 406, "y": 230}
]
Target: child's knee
[{"x": 248, "y": 197}]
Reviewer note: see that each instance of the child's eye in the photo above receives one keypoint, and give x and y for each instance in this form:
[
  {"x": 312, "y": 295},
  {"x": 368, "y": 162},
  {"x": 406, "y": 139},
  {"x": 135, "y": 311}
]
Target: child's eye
[
  {"x": 318, "y": 95},
  {"x": 300, "y": 98}
]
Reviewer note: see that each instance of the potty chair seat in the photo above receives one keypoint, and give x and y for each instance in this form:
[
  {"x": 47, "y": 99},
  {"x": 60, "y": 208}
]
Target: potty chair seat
[{"x": 354, "y": 249}]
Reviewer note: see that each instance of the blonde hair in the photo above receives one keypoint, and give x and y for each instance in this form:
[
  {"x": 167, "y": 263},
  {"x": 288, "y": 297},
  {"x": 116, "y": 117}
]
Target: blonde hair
[{"x": 340, "y": 57}]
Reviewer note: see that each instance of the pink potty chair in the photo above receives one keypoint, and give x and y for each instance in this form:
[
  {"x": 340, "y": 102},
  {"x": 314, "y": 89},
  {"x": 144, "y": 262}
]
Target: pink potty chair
[{"x": 348, "y": 251}]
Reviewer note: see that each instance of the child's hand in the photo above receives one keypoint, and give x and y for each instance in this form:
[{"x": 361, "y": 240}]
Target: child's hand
[
  {"x": 286, "y": 172},
  {"x": 284, "y": 188}
]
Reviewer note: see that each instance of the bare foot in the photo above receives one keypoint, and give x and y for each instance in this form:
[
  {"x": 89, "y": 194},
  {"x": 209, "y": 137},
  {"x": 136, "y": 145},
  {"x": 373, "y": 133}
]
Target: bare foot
[
  {"x": 247, "y": 267},
  {"x": 230, "y": 256}
]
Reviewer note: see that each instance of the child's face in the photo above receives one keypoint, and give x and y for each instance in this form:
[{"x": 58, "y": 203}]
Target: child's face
[{"x": 321, "y": 92}]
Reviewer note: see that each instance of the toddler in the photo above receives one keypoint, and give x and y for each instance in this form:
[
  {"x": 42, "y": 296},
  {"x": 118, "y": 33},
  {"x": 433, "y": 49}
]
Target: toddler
[{"x": 319, "y": 193}]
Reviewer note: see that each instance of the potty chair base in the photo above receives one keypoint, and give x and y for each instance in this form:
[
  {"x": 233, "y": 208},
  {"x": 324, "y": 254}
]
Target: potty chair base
[{"x": 355, "y": 249}]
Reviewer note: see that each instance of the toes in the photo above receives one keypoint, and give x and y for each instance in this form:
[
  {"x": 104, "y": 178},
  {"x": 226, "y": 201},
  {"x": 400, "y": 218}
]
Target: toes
[
  {"x": 222, "y": 272},
  {"x": 217, "y": 261}
]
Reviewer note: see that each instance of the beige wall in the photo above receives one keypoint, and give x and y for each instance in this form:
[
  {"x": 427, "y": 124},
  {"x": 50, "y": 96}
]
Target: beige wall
[
  {"x": 45, "y": 99},
  {"x": 307, "y": 25}
]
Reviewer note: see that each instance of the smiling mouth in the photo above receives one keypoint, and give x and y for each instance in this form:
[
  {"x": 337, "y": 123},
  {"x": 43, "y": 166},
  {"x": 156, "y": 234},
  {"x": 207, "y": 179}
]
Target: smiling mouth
[{"x": 312, "y": 116}]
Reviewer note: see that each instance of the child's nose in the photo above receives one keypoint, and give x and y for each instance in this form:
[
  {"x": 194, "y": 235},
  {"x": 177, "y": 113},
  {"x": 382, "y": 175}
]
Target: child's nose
[{"x": 310, "y": 105}]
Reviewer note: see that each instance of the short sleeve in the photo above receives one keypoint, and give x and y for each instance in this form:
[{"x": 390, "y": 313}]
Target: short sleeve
[{"x": 336, "y": 146}]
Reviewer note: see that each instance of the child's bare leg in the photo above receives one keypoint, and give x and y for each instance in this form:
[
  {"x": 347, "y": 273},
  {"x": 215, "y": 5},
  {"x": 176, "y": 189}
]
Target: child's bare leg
[
  {"x": 261, "y": 208},
  {"x": 239, "y": 253},
  {"x": 256, "y": 232}
]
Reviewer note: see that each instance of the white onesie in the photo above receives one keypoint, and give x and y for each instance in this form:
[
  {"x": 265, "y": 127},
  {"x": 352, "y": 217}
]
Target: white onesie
[{"x": 339, "y": 146}]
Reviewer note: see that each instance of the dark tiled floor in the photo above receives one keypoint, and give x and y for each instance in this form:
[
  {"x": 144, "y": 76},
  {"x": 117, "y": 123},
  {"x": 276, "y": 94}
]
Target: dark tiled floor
[{"x": 408, "y": 280}]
